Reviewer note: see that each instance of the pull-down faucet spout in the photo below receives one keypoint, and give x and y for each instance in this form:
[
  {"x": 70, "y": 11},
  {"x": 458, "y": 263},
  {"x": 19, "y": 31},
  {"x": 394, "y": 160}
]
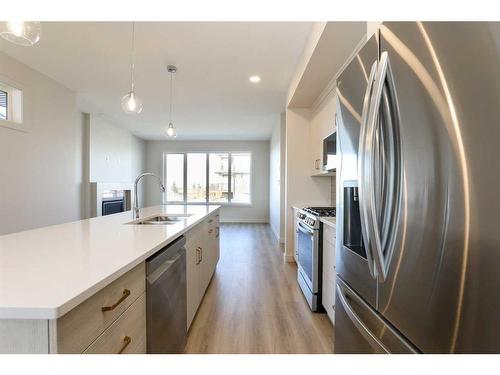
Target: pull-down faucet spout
[{"x": 136, "y": 199}]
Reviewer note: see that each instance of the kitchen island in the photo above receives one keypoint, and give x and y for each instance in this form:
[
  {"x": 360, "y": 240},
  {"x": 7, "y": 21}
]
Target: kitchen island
[{"x": 47, "y": 273}]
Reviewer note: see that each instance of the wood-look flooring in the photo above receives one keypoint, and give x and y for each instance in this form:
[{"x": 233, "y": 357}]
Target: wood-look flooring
[{"x": 253, "y": 303}]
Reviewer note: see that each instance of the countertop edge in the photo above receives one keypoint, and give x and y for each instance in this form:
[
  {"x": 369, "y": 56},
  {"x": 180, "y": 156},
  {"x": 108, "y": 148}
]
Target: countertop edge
[{"x": 329, "y": 221}]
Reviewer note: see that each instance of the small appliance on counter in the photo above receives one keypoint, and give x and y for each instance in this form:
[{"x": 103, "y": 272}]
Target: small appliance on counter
[{"x": 310, "y": 253}]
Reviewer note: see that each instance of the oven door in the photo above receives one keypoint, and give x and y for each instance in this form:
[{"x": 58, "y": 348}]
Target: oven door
[{"x": 307, "y": 255}]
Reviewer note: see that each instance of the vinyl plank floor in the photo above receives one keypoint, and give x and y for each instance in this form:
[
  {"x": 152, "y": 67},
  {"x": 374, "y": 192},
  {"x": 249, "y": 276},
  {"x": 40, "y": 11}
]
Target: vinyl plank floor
[{"x": 253, "y": 303}]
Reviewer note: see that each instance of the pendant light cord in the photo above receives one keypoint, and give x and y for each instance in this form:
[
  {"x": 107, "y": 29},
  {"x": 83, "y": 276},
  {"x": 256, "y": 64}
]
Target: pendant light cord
[
  {"x": 132, "y": 55},
  {"x": 171, "y": 95}
]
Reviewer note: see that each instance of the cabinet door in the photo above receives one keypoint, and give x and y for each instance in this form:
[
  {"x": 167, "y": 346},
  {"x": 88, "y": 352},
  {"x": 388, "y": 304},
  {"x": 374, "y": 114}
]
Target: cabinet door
[
  {"x": 328, "y": 290},
  {"x": 216, "y": 239},
  {"x": 192, "y": 279}
]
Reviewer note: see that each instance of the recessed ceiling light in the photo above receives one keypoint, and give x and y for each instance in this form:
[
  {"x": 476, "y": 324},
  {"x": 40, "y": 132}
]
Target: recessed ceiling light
[{"x": 254, "y": 79}]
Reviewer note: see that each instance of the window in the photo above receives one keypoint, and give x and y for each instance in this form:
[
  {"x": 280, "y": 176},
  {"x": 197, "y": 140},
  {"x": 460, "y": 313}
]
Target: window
[
  {"x": 213, "y": 177},
  {"x": 218, "y": 182},
  {"x": 240, "y": 177},
  {"x": 4, "y": 97},
  {"x": 196, "y": 177},
  {"x": 10, "y": 104},
  {"x": 174, "y": 181}
]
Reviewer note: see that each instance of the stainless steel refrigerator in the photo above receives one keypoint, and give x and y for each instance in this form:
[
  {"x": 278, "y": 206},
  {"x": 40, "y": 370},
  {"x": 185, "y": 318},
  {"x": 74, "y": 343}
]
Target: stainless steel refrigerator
[{"x": 418, "y": 191}]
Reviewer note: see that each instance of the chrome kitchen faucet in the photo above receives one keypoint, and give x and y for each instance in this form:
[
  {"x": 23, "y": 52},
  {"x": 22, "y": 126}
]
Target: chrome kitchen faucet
[{"x": 136, "y": 199}]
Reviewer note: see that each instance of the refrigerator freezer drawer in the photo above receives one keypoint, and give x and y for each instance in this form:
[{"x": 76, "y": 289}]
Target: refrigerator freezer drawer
[{"x": 360, "y": 330}]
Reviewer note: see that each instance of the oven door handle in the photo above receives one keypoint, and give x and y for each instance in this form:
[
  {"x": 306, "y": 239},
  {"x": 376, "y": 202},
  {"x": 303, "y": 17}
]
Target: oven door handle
[{"x": 304, "y": 229}]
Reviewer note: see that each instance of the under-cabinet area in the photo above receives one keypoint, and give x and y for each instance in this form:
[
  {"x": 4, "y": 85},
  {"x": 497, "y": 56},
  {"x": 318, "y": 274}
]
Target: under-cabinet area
[{"x": 115, "y": 318}]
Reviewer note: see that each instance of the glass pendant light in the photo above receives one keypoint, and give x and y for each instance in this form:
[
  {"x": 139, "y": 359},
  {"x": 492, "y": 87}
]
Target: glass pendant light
[
  {"x": 171, "y": 132},
  {"x": 131, "y": 103},
  {"x": 22, "y": 33}
]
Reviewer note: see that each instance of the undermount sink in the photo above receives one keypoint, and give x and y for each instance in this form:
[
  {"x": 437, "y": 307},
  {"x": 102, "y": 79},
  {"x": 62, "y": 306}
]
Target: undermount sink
[{"x": 160, "y": 220}]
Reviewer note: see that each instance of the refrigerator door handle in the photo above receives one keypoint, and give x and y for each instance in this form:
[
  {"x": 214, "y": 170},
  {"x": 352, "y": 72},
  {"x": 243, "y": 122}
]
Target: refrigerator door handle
[
  {"x": 382, "y": 261},
  {"x": 362, "y": 171},
  {"x": 358, "y": 323}
]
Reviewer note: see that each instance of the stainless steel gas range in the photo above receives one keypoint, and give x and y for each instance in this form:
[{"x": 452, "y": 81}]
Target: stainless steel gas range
[{"x": 309, "y": 243}]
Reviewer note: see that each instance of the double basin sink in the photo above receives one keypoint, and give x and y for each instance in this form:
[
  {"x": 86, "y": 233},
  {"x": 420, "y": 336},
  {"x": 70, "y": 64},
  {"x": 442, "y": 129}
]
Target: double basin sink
[{"x": 161, "y": 219}]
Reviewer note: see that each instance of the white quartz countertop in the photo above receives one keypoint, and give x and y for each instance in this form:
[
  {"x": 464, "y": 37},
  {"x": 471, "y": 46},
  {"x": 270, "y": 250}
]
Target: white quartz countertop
[
  {"x": 46, "y": 272},
  {"x": 331, "y": 221}
]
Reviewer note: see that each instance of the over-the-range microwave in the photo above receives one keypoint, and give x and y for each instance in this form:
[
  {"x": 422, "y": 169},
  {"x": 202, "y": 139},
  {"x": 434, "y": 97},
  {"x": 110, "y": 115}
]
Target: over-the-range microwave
[{"x": 330, "y": 152}]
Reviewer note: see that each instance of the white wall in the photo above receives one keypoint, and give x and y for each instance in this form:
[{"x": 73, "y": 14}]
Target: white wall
[
  {"x": 275, "y": 181},
  {"x": 283, "y": 177},
  {"x": 41, "y": 169},
  {"x": 258, "y": 211},
  {"x": 116, "y": 155},
  {"x": 111, "y": 154},
  {"x": 301, "y": 188}
]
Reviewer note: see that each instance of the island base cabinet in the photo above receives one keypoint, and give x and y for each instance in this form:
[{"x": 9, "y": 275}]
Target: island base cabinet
[
  {"x": 82, "y": 325},
  {"x": 127, "y": 335},
  {"x": 202, "y": 247},
  {"x": 111, "y": 321},
  {"x": 193, "y": 277}
]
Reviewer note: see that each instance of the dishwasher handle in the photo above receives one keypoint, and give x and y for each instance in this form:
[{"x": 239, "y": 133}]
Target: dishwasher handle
[{"x": 158, "y": 272}]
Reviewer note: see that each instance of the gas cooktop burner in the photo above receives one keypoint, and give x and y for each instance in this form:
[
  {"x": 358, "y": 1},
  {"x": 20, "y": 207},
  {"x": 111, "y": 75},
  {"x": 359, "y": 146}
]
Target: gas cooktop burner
[{"x": 321, "y": 211}]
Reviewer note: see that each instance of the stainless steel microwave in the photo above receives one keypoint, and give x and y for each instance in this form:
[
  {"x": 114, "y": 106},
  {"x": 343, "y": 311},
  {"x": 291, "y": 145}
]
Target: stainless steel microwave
[{"x": 330, "y": 152}]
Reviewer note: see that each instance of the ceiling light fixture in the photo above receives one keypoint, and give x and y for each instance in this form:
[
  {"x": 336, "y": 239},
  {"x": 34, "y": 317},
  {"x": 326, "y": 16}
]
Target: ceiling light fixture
[
  {"x": 171, "y": 132},
  {"x": 131, "y": 103},
  {"x": 22, "y": 33},
  {"x": 254, "y": 79}
]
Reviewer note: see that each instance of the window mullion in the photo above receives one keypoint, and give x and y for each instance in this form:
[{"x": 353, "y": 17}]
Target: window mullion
[
  {"x": 207, "y": 193},
  {"x": 184, "y": 193},
  {"x": 229, "y": 187}
]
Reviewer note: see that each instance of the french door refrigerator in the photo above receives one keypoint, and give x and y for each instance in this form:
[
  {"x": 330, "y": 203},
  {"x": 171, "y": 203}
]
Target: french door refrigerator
[{"x": 418, "y": 241}]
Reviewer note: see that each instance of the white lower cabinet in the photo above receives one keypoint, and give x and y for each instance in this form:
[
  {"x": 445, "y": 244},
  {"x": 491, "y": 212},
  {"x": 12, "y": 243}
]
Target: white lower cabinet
[
  {"x": 202, "y": 250},
  {"x": 329, "y": 273}
]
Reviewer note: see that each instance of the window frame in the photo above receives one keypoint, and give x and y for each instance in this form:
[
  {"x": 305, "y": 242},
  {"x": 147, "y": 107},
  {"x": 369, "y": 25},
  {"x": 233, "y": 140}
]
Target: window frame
[
  {"x": 207, "y": 177},
  {"x": 9, "y": 90},
  {"x": 16, "y": 98}
]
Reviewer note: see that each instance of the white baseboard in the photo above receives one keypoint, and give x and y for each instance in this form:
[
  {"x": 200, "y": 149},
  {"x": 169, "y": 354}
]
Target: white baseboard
[{"x": 245, "y": 221}]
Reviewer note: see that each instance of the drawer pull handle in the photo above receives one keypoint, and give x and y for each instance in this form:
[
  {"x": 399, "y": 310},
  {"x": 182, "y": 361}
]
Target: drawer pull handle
[
  {"x": 210, "y": 221},
  {"x": 125, "y": 294},
  {"x": 126, "y": 341},
  {"x": 210, "y": 231}
]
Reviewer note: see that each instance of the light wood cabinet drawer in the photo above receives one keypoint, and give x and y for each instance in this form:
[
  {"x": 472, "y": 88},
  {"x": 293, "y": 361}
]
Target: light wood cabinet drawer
[
  {"x": 127, "y": 335},
  {"x": 78, "y": 328}
]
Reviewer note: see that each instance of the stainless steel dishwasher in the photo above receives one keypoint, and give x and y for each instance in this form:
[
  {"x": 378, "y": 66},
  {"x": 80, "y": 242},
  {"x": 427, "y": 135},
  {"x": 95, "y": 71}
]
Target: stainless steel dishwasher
[{"x": 166, "y": 299}]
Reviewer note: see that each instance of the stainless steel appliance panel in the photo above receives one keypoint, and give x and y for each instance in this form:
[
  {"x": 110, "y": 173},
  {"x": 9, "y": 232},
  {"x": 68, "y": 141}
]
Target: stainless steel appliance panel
[
  {"x": 440, "y": 287},
  {"x": 352, "y": 86},
  {"x": 166, "y": 307},
  {"x": 360, "y": 330},
  {"x": 308, "y": 246}
]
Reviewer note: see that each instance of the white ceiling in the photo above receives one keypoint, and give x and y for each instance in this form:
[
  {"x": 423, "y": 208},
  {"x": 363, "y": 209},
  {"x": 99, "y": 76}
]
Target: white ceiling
[{"x": 213, "y": 98}]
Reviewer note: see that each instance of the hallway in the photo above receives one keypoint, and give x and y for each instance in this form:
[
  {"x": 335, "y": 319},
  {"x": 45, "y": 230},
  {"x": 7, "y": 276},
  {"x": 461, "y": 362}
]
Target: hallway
[{"x": 253, "y": 303}]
